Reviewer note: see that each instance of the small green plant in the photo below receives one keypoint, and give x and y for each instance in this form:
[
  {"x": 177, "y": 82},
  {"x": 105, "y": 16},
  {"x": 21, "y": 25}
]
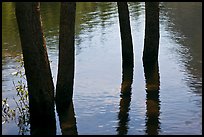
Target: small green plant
[
  {"x": 7, "y": 113},
  {"x": 20, "y": 113}
]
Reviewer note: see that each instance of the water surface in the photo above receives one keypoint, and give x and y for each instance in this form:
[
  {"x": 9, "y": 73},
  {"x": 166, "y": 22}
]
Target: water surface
[{"x": 98, "y": 72}]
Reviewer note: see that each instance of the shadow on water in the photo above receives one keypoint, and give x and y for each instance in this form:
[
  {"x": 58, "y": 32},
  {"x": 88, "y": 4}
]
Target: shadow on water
[
  {"x": 68, "y": 121},
  {"x": 152, "y": 98},
  {"x": 123, "y": 115}
]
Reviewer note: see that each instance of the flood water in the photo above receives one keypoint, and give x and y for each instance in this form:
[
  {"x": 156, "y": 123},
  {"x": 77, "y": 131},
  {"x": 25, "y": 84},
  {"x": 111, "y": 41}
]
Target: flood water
[{"x": 98, "y": 107}]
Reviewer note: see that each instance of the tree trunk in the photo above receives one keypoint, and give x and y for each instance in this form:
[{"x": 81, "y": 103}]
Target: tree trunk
[
  {"x": 150, "y": 63},
  {"x": 126, "y": 38},
  {"x": 151, "y": 42},
  {"x": 37, "y": 68},
  {"x": 127, "y": 48},
  {"x": 65, "y": 78},
  {"x": 127, "y": 66}
]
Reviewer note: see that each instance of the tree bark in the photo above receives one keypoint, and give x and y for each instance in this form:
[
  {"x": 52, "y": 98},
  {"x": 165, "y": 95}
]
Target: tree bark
[
  {"x": 65, "y": 78},
  {"x": 151, "y": 42},
  {"x": 37, "y": 68},
  {"x": 126, "y": 37}
]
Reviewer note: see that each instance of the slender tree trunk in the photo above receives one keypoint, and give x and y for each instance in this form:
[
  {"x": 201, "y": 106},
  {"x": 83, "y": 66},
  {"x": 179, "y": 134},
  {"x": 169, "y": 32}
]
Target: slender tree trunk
[
  {"x": 127, "y": 47},
  {"x": 65, "y": 78},
  {"x": 126, "y": 38},
  {"x": 150, "y": 63},
  {"x": 37, "y": 68},
  {"x": 151, "y": 42}
]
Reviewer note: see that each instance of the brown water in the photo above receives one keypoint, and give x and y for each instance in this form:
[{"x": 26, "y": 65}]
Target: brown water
[{"x": 97, "y": 104}]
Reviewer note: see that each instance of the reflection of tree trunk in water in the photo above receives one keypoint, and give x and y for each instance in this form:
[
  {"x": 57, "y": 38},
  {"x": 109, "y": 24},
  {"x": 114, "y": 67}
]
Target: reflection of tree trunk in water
[
  {"x": 37, "y": 68},
  {"x": 152, "y": 113},
  {"x": 123, "y": 115},
  {"x": 151, "y": 42},
  {"x": 126, "y": 39},
  {"x": 65, "y": 78},
  {"x": 152, "y": 98},
  {"x": 68, "y": 121}
]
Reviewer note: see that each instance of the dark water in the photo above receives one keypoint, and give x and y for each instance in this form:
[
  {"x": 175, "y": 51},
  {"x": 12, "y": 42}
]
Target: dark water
[{"x": 98, "y": 107}]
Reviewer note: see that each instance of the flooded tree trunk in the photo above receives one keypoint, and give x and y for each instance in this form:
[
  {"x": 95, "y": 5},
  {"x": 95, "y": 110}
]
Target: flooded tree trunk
[
  {"x": 127, "y": 46},
  {"x": 151, "y": 70},
  {"x": 37, "y": 68},
  {"x": 65, "y": 78},
  {"x": 126, "y": 37},
  {"x": 151, "y": 42}
]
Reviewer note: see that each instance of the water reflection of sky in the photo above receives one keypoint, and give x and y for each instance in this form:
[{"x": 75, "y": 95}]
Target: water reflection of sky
[{"x": 98, "y": 72}]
